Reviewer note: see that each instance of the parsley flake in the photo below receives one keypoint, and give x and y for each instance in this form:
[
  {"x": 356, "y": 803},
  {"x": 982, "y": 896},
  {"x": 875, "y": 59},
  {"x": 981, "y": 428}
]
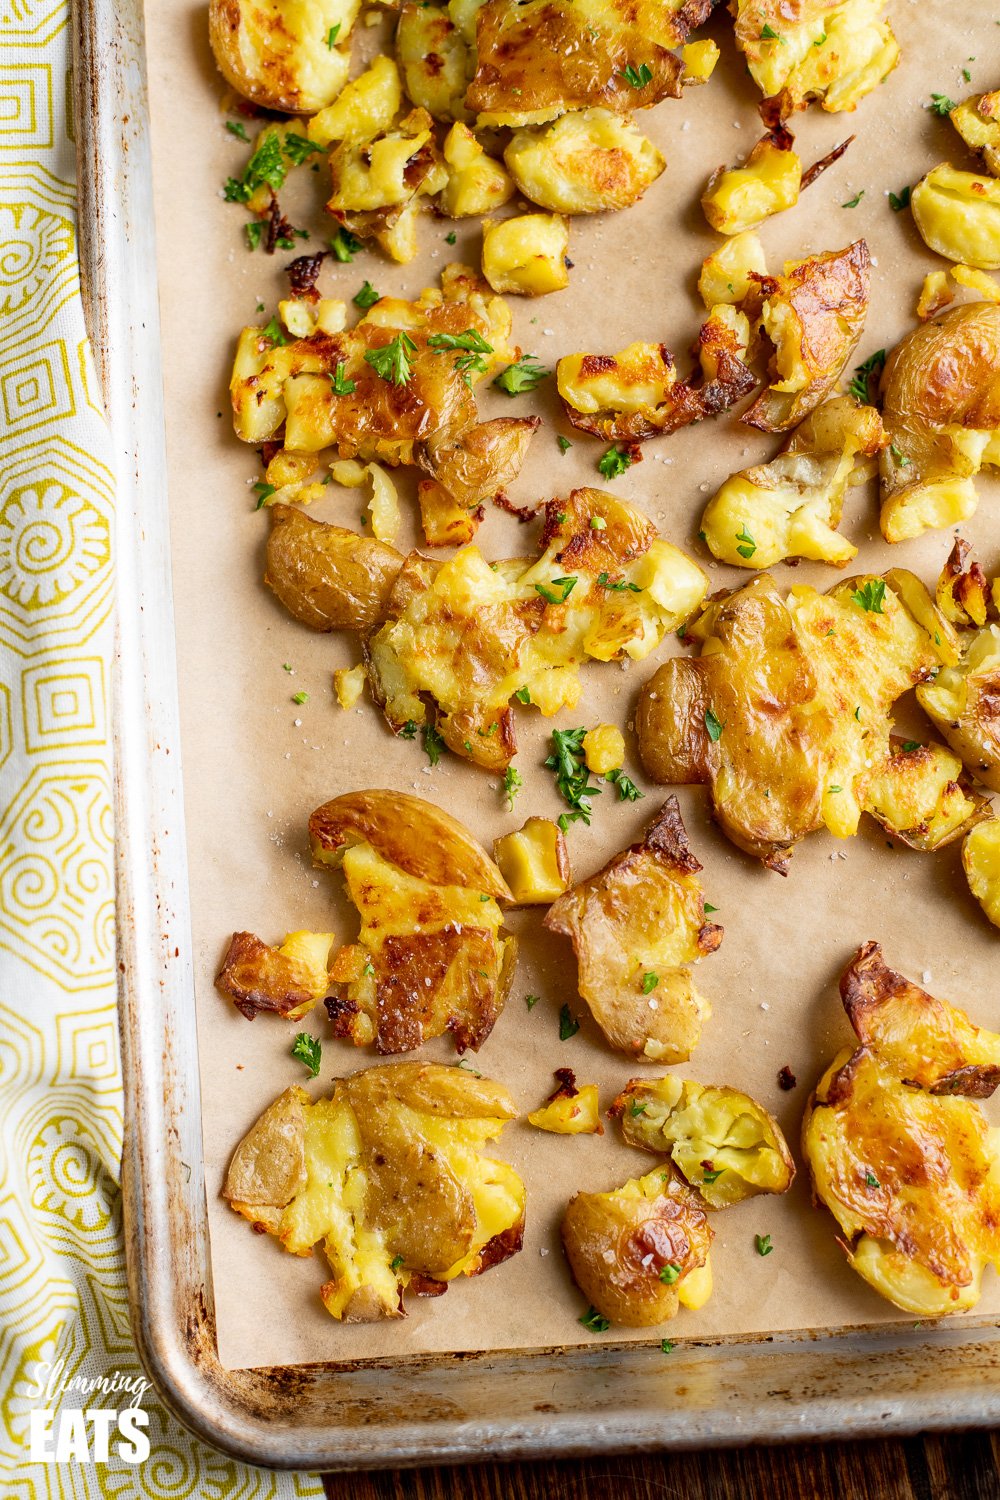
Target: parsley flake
[
  {"x": 298, "y": 147},
  {"x": 941, "y": 105},
  {"x": 409, "y": 730},
  {"x": 531, "y": 1001},
  {"x": 899, "y": 201},
  {"x": 474, "y": 346},
  {"x": 649, "y": 982},
  {"x": 308, "y": 1049},
  {"x": 712, "y": 1176},
  {"x": 513, "y": 781},
  {"x": 620, "y": 586},
  {"x": 864, "y": 374},
  {"x": 564, "y": 444},
  {"x": 391, "y": 362},
  {"x": 666, "y": 1347},
  {"x": 344, "y": 246},
  {"x": 564, "y": 585},
  {"x": 713, "y": 727},
  {"x": 899, "y": 456},
  {"x": 523, "y": 695},
  {"x": 274, "y": 331},
  {"x": 450, "y": 238},
  {"x": 266, "y": 167},
  {"x": 748, "y": 546},
  {"x": 768, "y": 34},
  {"x": 670, "y": 1274},
  {"x": 870, "y": 596},
  {"x": 762, "y": 1244},
  {"x": 300, "y": 698},
  {"x": 614, "y": 462},
  {"x": 342, "y": 387},
  {"x": 523, "y": 376},
  {"x": 395, "y": 1263},
  {"x": 367, "y": 297},
  {"x": 572, "y": 775},
  {"x": 853, "y": 202},
  {"x": 433, "y": 743},
  {"x": 236, "y": 128},
  {"x": 636, "y": 1109},
  {"x": 254, "y": 232},
  {"x": 709, "y": 908},
  {"x": 595, "y": 1321},
  {"x": 871, "y": 1180},
  {"x": 332, "y": 35},
  {"x": 627, "y": 789},
  {"x": 638, "y": 77},
  {"x": 912, "y": 745},
  {"x": 568, "y": 1025},
  {"x": 263, "y": 491}
]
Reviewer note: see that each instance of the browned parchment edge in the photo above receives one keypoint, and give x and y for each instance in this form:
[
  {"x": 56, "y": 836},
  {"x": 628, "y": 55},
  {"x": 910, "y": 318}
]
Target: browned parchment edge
[{"x": 445, "y": 1408}]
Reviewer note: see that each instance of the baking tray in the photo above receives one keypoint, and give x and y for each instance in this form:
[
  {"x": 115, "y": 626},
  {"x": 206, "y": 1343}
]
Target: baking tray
[{"x": 441, "y": 1408}]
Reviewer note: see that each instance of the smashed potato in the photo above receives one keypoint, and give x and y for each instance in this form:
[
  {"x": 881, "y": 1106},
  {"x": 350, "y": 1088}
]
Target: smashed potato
[
  {"x": 569, "y": 1110},
  {"x": 636, "y": 1253},
  {"x": 977, "y": 120},
  {"x": 476, "y": 183},
  {"x": 958, "y": 215},
  {"x": 963, "y": 702},
  {"x": 468, "y": 637},
  {"x": 737, "y": 199},
  {"x": 277, "y": 53},
  {"x": 432, "y": 955},
  {"x": 812, "y": 316},
  {"x": 722, "y": 1142},
  {"x": 435, "y": 60},
  {"x": 921, "y": 795},
  {"x": 527, "y": 255},
  {"x": 364, "y": 108},
  {"x": 833, "y": 53},
  {"x": 288, "y": 980},
  {"x": 787, "y": 709},
  {"x": 725, "y": 274},
  {"x": 636, "y": 927},
  {"x": 792, "y": 506},
  {"x": 898, "y": 1150},
  {"x": 328, "y": 577},
  {"x": 604, "y": 749},
  {"x": 585, "y": 162},
  {"x": 388, "y": 1173},
  {"x": 941, "y": 413},
  {"x": 981, "y": 862},
  {"x": 376, "y": 182},
  {"x": 534, "y": 861}
]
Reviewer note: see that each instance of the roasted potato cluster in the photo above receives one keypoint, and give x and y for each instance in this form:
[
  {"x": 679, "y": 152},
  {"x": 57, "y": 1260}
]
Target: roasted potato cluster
[
  {"x": 278, "y": 54},
  {"x": 941, "y": 412},
  {"x": 585, "y": 162},
  {"x": 900, "y": 1152},
  {"x": 786, "y": 715},
  {"x": 637, "y": 926},
  {"x": 814, "y": 50},
  {"x": 388, "y": 1175}
]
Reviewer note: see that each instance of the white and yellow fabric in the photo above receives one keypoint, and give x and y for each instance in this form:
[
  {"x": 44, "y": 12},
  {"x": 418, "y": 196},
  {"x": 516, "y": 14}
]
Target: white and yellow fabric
[{"x": 62, "y": 1287}]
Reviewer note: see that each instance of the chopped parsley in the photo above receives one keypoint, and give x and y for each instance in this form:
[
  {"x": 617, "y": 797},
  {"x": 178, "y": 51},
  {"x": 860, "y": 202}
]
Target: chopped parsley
[
  {"x": 274, "y": 331},
  {"x": 871, "y": 1180},
  {"x": 568, "y": 1025},
  {"x": 966, "y": 74},
  {"x": 523, "y": 376},
  {"x": 649, "y": 982},
  {"x": 367, "y": 297},
  {"x": 713, "y": 726},
  {"x": 332, "y": 35},
  {"x": 870, "y": 596},
  {"x": 768, "y": 34},
  {"x": 433, "y": 743},
  {"x": 709, "y": 908},
  {"x": 409, "y": 730},
  {"x": 342, "y": 387},
  {"x": 620, "y": 586},
  {"x": 308, "y": 1049},
  {"x": 912, "y": 745},
  {"x": 564, "y": 444},
  {"x": 286, "y": 666},
  {"x": 345, "y": 247},
  {"x": 298, "y": 147},
  {"x": 300, "y": 698},
  {"x": 627, "y": 789},
  {"x": 474, "y": 345},
  {"x": 941, "y": 105},
  {"x": 450, "y": 238},
  {"x": 572, "y": 775},
  {"x": 636, "y": 1109},
  {"x": 835, "y": 789},
  {"x": 595, "y": 1321},
  {"x": 266, "y": 168},
  {"x": 747, "y": 546},
  {"x": 263, "y": 491},
  {"x": 712, "y": 1176},
  {"x": 863, "y": 375},
  {"x": 598, "y": 523},
  {"x": 857, "y": 713},
  {"x": 899, "y": 201},
  {"x": 391, "y": 362},
  {"x": 899, "y": 456},
  {"x": 565, "y": 586},
  {"x": 853, "y": 202},
  {"x": 238, "y": 130},
  {"x": 531, "y": 1001},
  {"x": 666, "y": 1347},
  {"x": 614, "y": 462},
  {"x": 513, "y": 781},
  {"x": 670, "y": 1274},
  {"x": 762, "y": 1244},
  {"x": 254, "y": 232},
  {"x": 638, "y": 77},
  {"x": 395, "y": 1263},
  {"x": 523, "y": 695}
]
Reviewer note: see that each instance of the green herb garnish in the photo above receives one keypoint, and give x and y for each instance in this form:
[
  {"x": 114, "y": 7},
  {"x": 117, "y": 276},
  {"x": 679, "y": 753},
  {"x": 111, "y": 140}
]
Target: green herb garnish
[
  {"x": 853, "y": 202},
  {"x": 266, "y": 167},
  {"x": 649, "y": 982},
  {"x": 298, "y": 147},
  {"x": 523, "y": 695},
  {"x": 713, "y": 726},
  {"x": 433, "y": 743},
  {"x": 342, "y": 387},
  {"x": 670, "y": 1274},
  {"x": 762, "y": 1244},
  {"x": 870, "y": 596},
  {"x": 512, "y": 784},
  {"x": 564, "y": 585},
  {"x": 531, "y": 1001},
  {"x": 263, "y": 491},
  {"x": 627, "y": 789},
  {"x": 859, "y": 386},
  {"x": 899, "y": 201},
  {"x": 572, "y": 775},
  {"x": 474, "y": 345},
  {"x": 614, "y": 462},
  {"x": 568, "y": 1026},
  {"x": 942, "y": 105},
  {"x": 593, "y": 1320},
  {"x": 308, "y": 1049},
  {"x": 564, "y": 444},
  {"x": 638, "y": 77},
  {"x": 748, "y": 546},
  {"x": 523, "y": 376},
  {"x": 367, "y": 297},
  {"x": 345, "y": 247},
  {"x": 300, "y": 698},
  {"x": 391, "y": 362},
  {"x": 238, "y": 130},
  {"x": 332, "y": 35}
]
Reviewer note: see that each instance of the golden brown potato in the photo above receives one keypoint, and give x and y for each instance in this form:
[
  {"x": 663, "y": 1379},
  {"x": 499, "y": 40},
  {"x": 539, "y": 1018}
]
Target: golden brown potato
[
  {"x": 792, "y": 506},
  {"x": 958, "y": 215},
  {"x": 921, "y": 795},
  {"x": 981, "y": 862},
  {"x": 898, "y": 1150},
  {"x": 586, "y": 162},
  {"x": 636, "y": 394},
  {"x": 277, "y": 53},
  {"x": 977, "y": 120},
  {"x": 788, "y": 706},
  {"x": 725, "y": 274},
  {"x": 468, "y": 636},
  {"x": 526, "y": 255},
  {"x": 569, "y": 1110},
  {"x": 812, "y": 49},
  {"x": 376, "y": 182},
  {"x": 964, "y": 703},
  {"x": 812, "y": 316},
  {"x": 740, "y": 198},
  {"x": 941, "y": 411},
  {"x": 723, "y": 1142},
  {"x": 388, "y": 1174},
  {"x": 963, "y": 592},
  {"x": 534, "y": 861},
  {"x": 542, "y": 58},
  {"x": 435, "y": 60},
  {"x": 477, "y": 184},
  {"x": 636, "y": 927},
  {"x": 631, "y": 1250},
  {"x": 326, "y": 576},
  {"x": 288, "y": 980},
  {"x": 432, "y": 955}
]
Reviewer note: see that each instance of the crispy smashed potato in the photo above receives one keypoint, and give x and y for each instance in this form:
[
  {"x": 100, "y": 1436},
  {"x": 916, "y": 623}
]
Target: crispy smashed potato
[
  {"x": 328, "y": 577},
  {"x": 276, "y": 53},
  {"x": 722, "y": 1142},
  {"x": 376, "y": 182},
  {"x": 435, "y": 60},
  {"x": 288, "y": 980},
  {"x": 941, "y": 412},
  {"x": 364, "y": 108},
  {"x": 977, "y": 120},
  {"x": 636, "y": 394},
  {"x": 963, "y": 702},
  {"x": 641, "y": 1252},
  {"x": 349, "y": 684},
  {"x": 527, "y": 255},
  {"x": 812, "y": 316},
  {"x": 792, "y": 506},
  {"x": 328, "y": 394},
  {"x": 388, "y": 1173},
  {"x": 468, "y": 636},
  {"x": 585, "y": 162},
  {"x": 787, "y": 709},
  {"x": 899, "y": 1151},
  {"x": 476, "y": 183},
  {"x": 958, "y": 215},
  {"x": 739, "y": 198},
  {"x": 981, "y": 862},
  {"x": 921, "y": 795},
  {"x": 636, "y": 927},
  {"x": 725, "y": 274},
  {"x": 569, "y": 1110},
  {"x": 534, "y": 861},
  {"x": 431, "y": 955},
  {"x": 812, "y": 49},
  {"x": 542, "y": 58}
]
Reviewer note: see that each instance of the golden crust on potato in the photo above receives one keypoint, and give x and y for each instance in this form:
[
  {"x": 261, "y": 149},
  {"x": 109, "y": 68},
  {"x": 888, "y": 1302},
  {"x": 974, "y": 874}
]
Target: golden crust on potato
[
  {"x": 534, "y": 861},
  {"x": 803, "y": 50},
  {"x": 569, "y": 1109},
  {"x": 899, "y": 1151},
  {"x": 276, "y": 53},
  {"x": 958, "y": 215},
  {"x": 964, "y": 703},
  {"x": 287, "y": 980},
  {"x": 328, "y": 577},
  {"x": 981, "y": 863},
  {"x": 632, "y": 1249},
  {"x": 941, "y": 412},
  {"x": 787, "y": 709},
  {"x": 586, "y": 162},
  {"x": 723, "y": 1143},
  {"x": 636, "y": 927},
  {"x": 921, "y": 795},
  {"x": 977, "y": 120},
  {"x": 435, "y": 60},
  {"x": 388, "y": 1174},
  {"x": 468, "y": 636},
  {"x": 740, "y": 198}
]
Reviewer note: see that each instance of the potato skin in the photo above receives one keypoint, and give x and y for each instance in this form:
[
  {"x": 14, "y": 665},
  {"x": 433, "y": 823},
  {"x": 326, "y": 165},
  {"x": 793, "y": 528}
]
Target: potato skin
[
  {"x": 257, "y": 977},
  {"x": 328, "y": 577}
]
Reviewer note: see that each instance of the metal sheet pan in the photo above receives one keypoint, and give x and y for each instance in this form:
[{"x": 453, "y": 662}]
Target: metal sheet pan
[{"x": 444, "y": 1408}]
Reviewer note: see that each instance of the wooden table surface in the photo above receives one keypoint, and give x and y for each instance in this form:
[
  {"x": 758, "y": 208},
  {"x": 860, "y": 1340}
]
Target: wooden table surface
[{"x": 954, "y": 1467}]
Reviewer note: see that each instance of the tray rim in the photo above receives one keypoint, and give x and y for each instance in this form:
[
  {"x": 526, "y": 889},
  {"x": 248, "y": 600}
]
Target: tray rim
[{"x": 348, "y": 1416}]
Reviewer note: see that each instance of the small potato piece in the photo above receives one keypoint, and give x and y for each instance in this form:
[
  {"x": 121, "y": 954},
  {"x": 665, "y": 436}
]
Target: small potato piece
[
  {"x": 964, "y": 703},
  {"x": 977, "y": 120},
  {"x": 569, "y": 1110},
  {"x": 738, "y": 199},
  {"x": 699, "y": 60},
  {"x": 288, "y": 980},
  {"x": 349, "y": 684},
  {"x": 586, "y": 162},
  {"x": 835, "y": 53},
  {"x": 792, "y": 506},
  {"x": 725, "y": 274},
  {"x": 963, "y": 592},
  {"x": 444, "y": 520},
  {"x": 534, "y": 861},
  {"x": 326, "y": 576},
  {"x": 276, "y": 53},
  {"x": 604, "y": 749},
  {"x": 921, "y": 796},
  {"x": 383, "y": 507},
  {"x": 435, "y": 59},
  {"x": 527, "y": 255},
  {"x": 364, "y": 109},
  {"x": 477, "y": 184},
  {"x": 723, "y": 1142},
  {"x": 636, "y": 928},
  {"x": 958, "y": 215},
  {"x": 935, "y": 295},
  {"x": 981, "y": 862},
  {"x": 385, "y": 172},
  {"x": 631, "y": 1250}
]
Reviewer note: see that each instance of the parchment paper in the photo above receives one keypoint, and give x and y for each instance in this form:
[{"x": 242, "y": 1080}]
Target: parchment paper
[{"x": 256, "y": 764}]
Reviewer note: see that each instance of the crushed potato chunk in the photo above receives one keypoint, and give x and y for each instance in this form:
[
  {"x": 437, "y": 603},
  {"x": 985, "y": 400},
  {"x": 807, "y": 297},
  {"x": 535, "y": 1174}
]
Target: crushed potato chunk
[
  {"x": 477, "y": 183},
  {"x": 287, "y": 980},
  {"x": 569, "y": 1110},
  {"x": 527, "y": 255},
  {"x": 585, "y": 162},
  {"x": 981, "y": 862},
  {"x": 977, "y": 120},
  {"x": 833, "y": 53},
  {"x": 739, "y": 198},
  {"x": 276, "y": 53},
  {"x": 958, "y": 215},
  {"x": 534, "y": 861},
  {"x": 604, "y": 749}
]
